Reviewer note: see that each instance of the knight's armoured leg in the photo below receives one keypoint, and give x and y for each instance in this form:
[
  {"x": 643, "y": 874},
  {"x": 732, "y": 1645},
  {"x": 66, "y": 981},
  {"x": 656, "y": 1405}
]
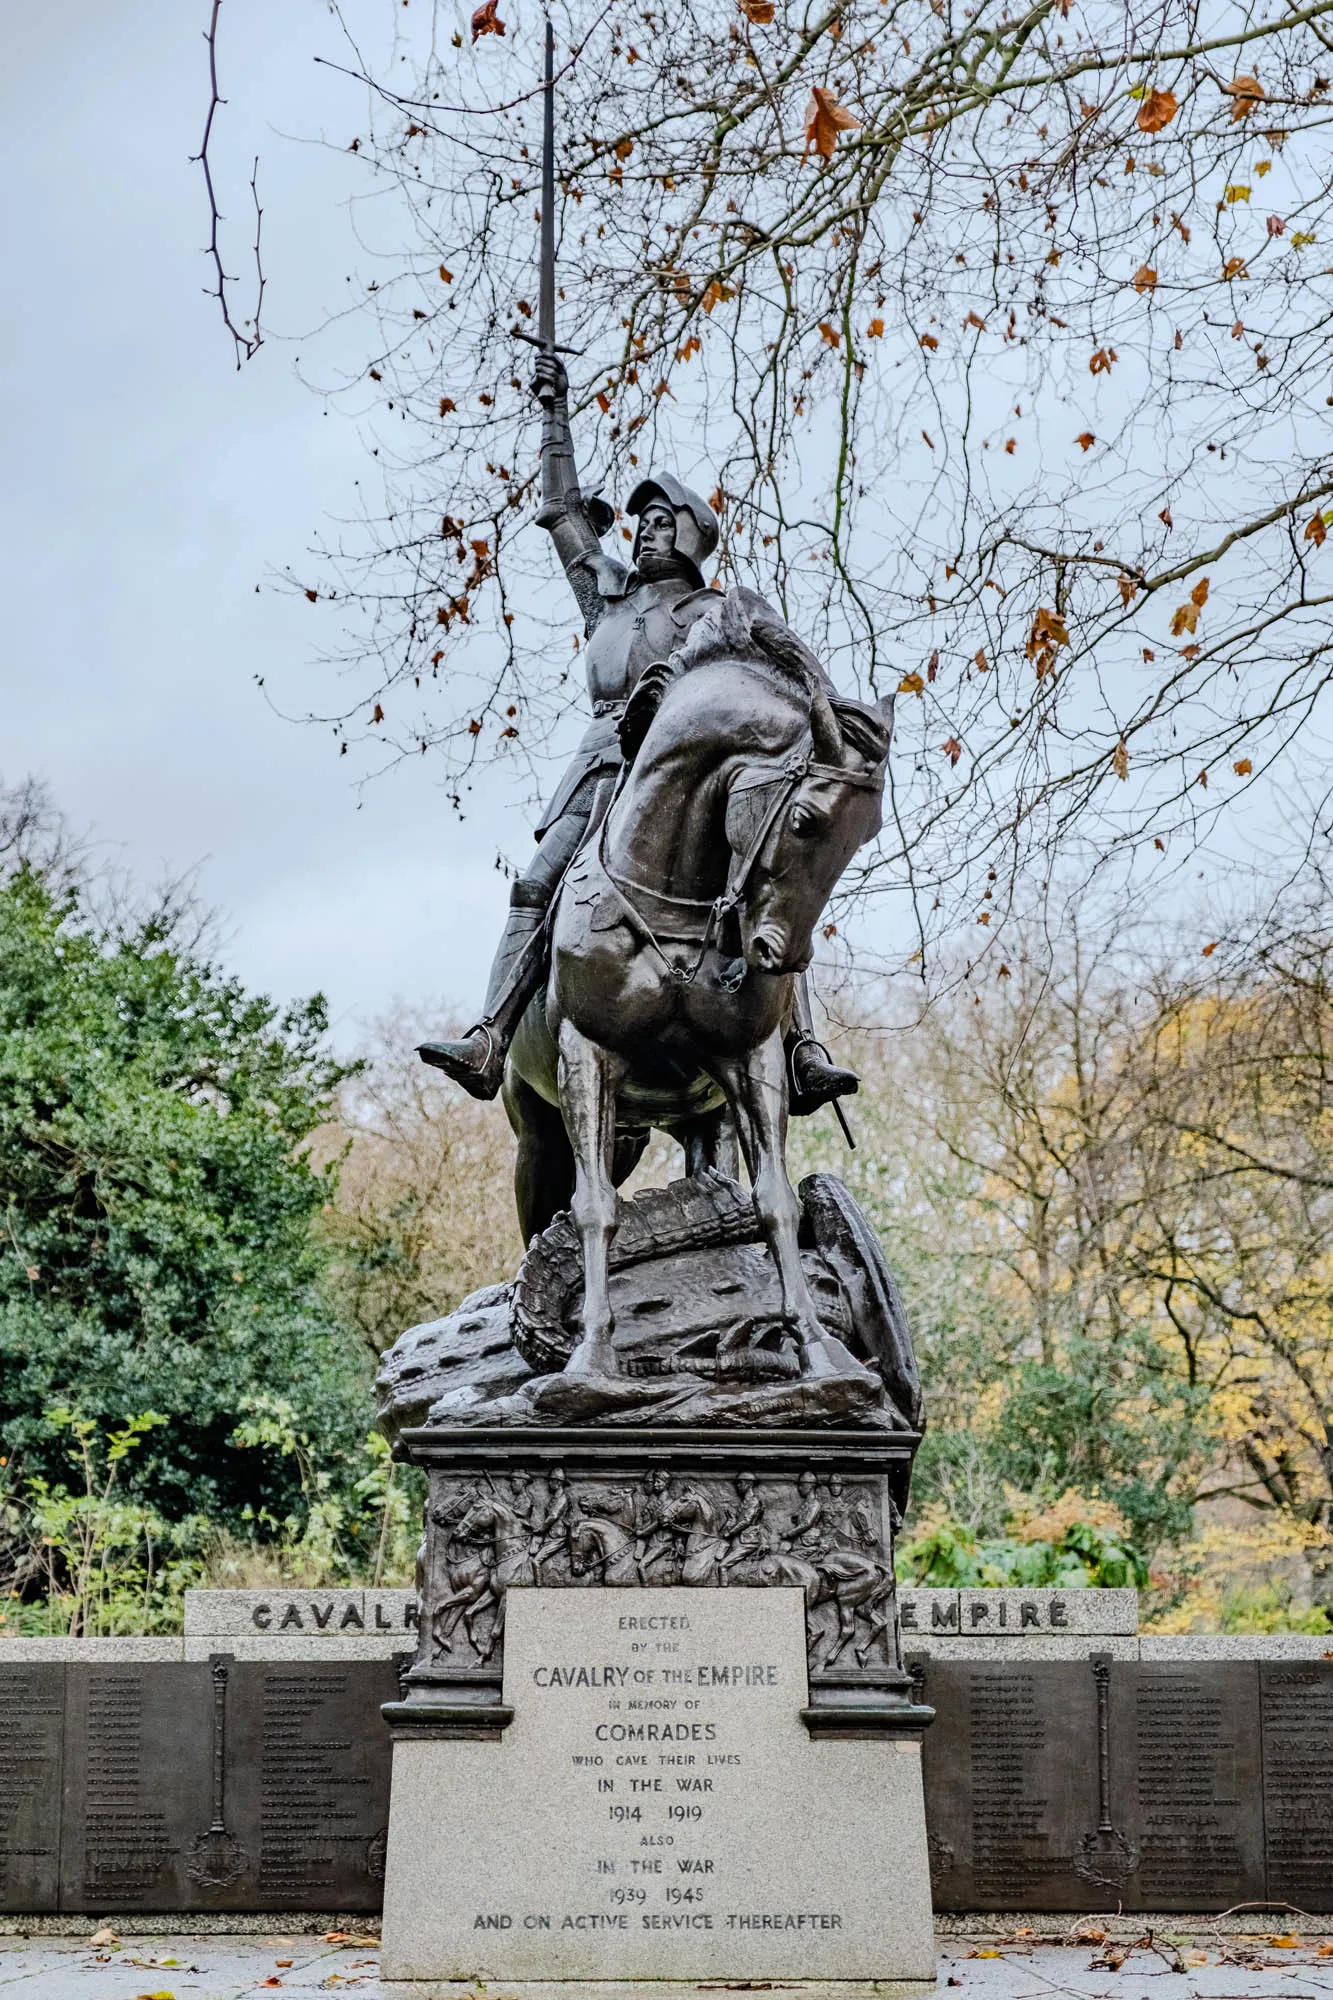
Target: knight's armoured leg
[
  {"x": 815, "y": 1078},
  {"x": 477, "y": 1061}
]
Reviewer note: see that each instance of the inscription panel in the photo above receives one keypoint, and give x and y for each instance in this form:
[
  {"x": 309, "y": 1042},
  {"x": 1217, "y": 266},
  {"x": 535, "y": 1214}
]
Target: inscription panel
[
  {"x": 1296, "y": 1707},
  {"x": 1185, "y": 1783},
  {"x": 32, "y": 1720},
  {"x": 657, "y": 1810},
  {"x": 1011, "y": 1783},
  {"x": 137, "y": 1785},
  {"x": 308, "y": 1763}
]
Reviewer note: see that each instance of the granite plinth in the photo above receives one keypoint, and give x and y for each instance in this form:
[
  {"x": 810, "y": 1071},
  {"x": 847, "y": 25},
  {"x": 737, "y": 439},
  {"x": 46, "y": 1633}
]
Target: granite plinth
[{"x": 657, "y": 1811}]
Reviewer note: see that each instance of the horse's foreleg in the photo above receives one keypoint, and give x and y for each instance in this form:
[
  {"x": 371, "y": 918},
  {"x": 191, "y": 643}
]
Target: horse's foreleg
[
  {"x": 589, "y": 1078},
  {"x": 756, "y": 1085}
]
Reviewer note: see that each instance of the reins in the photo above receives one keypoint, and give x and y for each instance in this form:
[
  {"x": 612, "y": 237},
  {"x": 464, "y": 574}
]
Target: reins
[{"x": 713, "y": 915}]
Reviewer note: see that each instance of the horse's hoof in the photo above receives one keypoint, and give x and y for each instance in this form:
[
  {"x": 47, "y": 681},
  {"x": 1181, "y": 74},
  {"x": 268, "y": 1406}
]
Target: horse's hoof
[{"x": 591, "y": 1362}]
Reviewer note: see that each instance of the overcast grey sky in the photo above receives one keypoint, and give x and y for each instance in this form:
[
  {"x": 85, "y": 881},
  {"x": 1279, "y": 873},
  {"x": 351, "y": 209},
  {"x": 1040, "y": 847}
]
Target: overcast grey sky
[{"x": 149, "y": 487}]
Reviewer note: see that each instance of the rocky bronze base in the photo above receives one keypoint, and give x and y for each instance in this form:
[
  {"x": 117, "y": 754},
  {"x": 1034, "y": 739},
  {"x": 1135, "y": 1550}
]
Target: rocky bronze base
[{"x": 672, "y": 1508}]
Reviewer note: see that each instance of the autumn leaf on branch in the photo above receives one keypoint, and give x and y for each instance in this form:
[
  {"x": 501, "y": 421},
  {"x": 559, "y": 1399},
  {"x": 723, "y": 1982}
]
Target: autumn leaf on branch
[
  {"x": 1242, "y": 767},
  {"x": 486, "y": 20},
  {"x": 758, "y": 11},
  {"x": 1185, "y": 618},
  {"x": 911, "y": 684},
  {"x": 1316, "y": 531},
  {"x": 1245, "y": 92},
  {"x": 1101, "y": 361},
  {"x": 1144, "y": 278},
  {"x": 824, "y": 119},
  {"x": 1159, "y": 107},
  {"x": 1087, "y": 439},
  {"x": 952, "y": 749},
  {"x": 1120, "y": 759},
  {"x": 1048, "y": 634}
]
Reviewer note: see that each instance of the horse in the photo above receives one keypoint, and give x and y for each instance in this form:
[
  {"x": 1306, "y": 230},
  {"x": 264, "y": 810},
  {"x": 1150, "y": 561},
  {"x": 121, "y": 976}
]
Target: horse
[
  {"x": 675, "y": 940},
  {"x": 490, "y": 1519},
  {"x": 850, "y": 1583},
  {"x": 604, "y": 1544}
]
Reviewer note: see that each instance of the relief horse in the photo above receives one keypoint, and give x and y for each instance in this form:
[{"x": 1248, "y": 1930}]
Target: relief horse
[{"x": 676, "y": 938}]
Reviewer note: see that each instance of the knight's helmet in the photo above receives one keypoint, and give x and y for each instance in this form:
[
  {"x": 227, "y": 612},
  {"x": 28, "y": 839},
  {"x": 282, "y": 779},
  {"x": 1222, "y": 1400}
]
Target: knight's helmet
[{"x": 696, "y": 523}]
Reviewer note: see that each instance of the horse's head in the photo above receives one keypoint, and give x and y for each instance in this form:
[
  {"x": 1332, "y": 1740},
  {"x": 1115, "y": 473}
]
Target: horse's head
[{"x": 793, "y": 827}]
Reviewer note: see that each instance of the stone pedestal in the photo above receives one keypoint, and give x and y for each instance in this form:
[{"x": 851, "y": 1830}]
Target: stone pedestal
[
  {"x": 647, "y": 1802},
  {"x": 728, "y": 1509}
]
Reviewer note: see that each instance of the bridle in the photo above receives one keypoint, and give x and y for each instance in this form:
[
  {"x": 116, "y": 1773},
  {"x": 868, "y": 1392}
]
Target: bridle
[{"x": 683, "y": 919}]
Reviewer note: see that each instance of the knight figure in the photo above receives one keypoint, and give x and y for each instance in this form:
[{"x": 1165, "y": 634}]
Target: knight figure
[{"x": 632, "y": 619}]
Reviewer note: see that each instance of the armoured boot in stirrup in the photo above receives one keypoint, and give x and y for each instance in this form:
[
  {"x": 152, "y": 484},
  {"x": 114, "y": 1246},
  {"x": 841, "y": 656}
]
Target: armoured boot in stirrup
[
  {"x": 814, "y": 1077},
  {"x": 477, "y": 1062}
]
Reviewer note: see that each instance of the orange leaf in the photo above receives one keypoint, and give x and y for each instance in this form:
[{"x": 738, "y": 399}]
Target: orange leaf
[
  {"x": 1245, "y": 92},
  {"x": 1234, "y": 268},
  {"x": 1159, "y": 107},
  {"x": 447, "y": 403},
  {"x": 378, "y": 715},
  {"x": 1185, "y": 618},
  {"x": 603, "y": 401},
  {"x": 1242, "y": 767},
  {"x": 1199, "y": 594},
  {"x": 875, "y": 331},
  {"x": 830, "y": 335},
  {"x": 1100, "y": 363},
  {"x": 824, "y": 119},
  {"x": 927, "y": 339},
  {"x": 1087, "y": 439},
  {"x": 975, "y": 319},
  {"x": 1144, "y": 278},
  {"x": 1120, "y": 759},
  {"x": 952, "y": 749},
  {"x": 758, "y": 11},
  {"x": 1128, "y": 588},
  {"x": 1316, "y": 531},
  {"x": 1209, "y": 949},
  {"x": 911, "y": 684},
  {"x": 486, "y": 20},
  {"x": 980, "y": 660},
  {"x": 446, "y": 275}
]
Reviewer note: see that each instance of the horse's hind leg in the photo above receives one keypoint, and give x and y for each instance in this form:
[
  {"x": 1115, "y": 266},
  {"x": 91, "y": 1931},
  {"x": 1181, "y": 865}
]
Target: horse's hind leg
[
  {"x": 756, "y": 1085},
  {"x": 589, "y": 1078},
  {"x": 544, "y": 1162},
  {"x": 710, "y": 1145}
]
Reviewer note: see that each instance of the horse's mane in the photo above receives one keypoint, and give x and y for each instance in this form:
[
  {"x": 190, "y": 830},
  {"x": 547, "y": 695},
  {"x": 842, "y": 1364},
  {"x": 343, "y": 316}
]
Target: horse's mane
[{"x": 742, "y": 629}]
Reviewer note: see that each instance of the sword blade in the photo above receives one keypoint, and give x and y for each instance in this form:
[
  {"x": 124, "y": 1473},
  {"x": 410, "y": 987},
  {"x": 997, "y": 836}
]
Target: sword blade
[{"x": 546, "y": 284}]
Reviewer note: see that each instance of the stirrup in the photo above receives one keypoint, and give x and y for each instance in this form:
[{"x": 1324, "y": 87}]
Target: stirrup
[{"x": 481, "y": 1080}]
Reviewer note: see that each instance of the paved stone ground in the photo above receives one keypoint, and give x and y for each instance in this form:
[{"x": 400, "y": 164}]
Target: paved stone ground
[{"x": 1179, "y": 1959}]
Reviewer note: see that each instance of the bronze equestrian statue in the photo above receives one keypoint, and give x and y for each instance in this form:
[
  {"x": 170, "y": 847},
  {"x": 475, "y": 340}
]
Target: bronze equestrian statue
[{"x": 632, "y": 619}]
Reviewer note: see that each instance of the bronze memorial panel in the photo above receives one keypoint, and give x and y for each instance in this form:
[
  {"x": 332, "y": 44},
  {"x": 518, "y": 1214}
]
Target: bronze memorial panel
[
  {"x": 137, "y": 1783},
  {"x": 1185, "y": 1784},
  {"x": 1011, "y": 1782},
  {"x": 307, "y": 1792},
  {"x": 1296, "y": 1698},
  {"x": 32, "y": 1718}
]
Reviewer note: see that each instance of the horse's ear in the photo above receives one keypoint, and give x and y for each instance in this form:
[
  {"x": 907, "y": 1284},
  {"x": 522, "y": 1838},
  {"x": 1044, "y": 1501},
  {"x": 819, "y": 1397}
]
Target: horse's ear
[
  {"x": 885, "y": 707},
  {"x": 825, "y": 735}
]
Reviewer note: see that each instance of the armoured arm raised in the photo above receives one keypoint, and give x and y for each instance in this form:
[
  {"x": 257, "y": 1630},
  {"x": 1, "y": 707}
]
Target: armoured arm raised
[{"x": 566, "y": 514}]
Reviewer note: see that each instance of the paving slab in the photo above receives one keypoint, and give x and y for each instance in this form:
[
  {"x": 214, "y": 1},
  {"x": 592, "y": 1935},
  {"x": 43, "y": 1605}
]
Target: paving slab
[{"x": 1179, "y": 1958}]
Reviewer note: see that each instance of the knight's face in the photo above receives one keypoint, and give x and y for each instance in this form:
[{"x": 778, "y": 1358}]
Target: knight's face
[{"x": 657, "y": 531}]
